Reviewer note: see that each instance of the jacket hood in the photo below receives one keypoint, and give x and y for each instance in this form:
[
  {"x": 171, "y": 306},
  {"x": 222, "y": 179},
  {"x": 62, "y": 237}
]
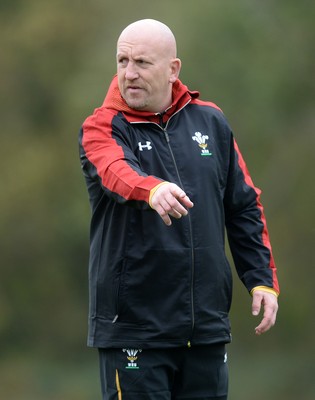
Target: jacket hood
[{"x": 181, "y": 96}]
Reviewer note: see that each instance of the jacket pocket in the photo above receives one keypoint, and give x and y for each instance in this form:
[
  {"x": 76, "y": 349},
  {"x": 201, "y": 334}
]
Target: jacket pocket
[
  {"x": 108, "y": 288},
  {"x": 213, "y": 281},
  {"x": 155, "y": 291}
]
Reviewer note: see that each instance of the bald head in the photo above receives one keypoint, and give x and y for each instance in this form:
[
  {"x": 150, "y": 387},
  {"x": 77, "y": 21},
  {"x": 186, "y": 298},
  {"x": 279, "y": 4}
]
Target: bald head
[
  {"x": 147, "y": 66},
  {"x": 150, "y": 31}
]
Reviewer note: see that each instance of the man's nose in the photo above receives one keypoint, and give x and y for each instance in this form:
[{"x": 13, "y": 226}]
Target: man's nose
[{"x": 131, "y": 72}]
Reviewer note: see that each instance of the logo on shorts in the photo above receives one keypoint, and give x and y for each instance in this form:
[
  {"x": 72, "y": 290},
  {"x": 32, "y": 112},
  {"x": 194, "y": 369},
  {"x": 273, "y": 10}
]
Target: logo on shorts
[
  {"x": 132, "y": 358},
  {"x": 201, "y": 140}
]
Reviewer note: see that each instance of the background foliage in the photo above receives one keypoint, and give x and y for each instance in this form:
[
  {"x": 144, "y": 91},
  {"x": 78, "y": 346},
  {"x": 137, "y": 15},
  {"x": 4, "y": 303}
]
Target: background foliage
[{"x": 255, "y": 59}]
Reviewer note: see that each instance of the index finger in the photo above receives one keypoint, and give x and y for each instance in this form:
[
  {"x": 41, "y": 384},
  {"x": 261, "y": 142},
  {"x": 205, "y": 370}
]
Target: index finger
[
  {"x": 268, "y": 321},
  {"x": 181, "y": 196},
  {"x": 264, "y": 326}
]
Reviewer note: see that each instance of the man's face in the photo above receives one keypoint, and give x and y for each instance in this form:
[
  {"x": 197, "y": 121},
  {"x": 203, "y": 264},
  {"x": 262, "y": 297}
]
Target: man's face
[{"x": 144, "y": 75}]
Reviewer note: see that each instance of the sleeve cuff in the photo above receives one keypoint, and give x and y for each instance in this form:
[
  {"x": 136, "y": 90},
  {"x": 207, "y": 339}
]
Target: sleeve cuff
[{"x": 264, "y": 289}]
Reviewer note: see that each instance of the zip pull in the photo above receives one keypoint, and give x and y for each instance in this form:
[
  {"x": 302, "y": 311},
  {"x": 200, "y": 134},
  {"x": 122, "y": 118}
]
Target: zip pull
[
  {"x": 161, "y": 115},
  {"x": 115, "y": 319},
  {"x": 189, "y": 344}
]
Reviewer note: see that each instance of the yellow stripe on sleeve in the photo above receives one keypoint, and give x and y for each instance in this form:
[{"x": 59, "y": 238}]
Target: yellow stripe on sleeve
[
  {"x": 264, "y": 289},
  {"x": 153, "y": 190}
]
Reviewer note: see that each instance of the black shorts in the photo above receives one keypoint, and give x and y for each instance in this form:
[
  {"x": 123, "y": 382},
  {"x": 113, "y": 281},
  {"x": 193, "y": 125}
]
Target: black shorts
[{"x": 196, "y": 373}]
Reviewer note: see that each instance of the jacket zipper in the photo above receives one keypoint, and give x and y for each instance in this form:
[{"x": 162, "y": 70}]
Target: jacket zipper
[
  {"x": 164, "y": 129},
  {"x": 166, "y": 135}
]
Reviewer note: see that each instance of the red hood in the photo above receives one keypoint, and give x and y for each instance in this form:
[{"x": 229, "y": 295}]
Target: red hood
[{"x": 113, "y": 100}]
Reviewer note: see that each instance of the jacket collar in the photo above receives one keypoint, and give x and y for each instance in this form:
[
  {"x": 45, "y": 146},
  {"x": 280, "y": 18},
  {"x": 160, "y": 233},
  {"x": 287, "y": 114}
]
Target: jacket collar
[{"x": 181, "y": 96}]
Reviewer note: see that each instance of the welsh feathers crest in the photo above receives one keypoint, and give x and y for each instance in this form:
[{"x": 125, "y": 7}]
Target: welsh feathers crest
[{"x": 201, "y": 140}]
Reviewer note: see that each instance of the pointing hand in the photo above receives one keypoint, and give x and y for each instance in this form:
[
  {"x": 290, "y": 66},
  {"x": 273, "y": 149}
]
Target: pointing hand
[{"x": 170, "y": 200}]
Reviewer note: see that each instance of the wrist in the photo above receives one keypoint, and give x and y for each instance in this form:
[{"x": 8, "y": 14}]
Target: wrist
[{"x": 153, "y": 190}]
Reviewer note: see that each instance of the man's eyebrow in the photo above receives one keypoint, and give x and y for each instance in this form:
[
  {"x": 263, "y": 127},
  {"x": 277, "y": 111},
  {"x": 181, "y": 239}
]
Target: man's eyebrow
[
  {"x": 136, "y": 57},
  {"x": 145, "y": 57}
]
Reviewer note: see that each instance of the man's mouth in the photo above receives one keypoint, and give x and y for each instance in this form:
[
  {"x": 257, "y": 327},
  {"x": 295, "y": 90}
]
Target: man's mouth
[{"x": 134, "y": 88}]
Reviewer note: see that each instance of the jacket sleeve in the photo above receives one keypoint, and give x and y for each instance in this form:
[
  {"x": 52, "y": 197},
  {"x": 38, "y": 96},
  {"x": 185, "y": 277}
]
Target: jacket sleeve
[
  {"x": 246, "y": 227},
  {"x": 107, "y": 158}
]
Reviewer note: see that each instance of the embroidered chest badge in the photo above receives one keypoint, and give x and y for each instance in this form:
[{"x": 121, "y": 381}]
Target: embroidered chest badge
[
  {"x": 201, "y": 140},
  {"x": 132, "y": 357}
]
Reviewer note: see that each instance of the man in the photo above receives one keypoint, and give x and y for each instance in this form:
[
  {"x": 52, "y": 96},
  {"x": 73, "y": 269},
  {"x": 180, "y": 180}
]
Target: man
[{"x": 165, "y": 178}]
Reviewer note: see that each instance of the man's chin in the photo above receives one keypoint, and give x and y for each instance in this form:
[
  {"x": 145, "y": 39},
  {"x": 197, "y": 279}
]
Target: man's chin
[{"x": 136, "y": 105}]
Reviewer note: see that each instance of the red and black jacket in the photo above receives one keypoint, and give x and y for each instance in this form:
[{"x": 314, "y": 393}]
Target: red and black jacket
[{"x": 153, "y": 285}]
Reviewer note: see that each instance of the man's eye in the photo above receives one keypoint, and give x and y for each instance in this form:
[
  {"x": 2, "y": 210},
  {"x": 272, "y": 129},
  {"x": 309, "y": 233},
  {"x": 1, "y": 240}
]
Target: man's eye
[
  {"x": 143, "y": 63},
  {"x": 122, "y": 61}
]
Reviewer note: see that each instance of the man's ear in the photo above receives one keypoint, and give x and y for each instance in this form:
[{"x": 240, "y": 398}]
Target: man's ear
[{"x": 175, "y": 69}]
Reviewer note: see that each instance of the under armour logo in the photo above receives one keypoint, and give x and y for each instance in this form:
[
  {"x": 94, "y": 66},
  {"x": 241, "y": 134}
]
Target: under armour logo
[{"x": 145, "y": 146}]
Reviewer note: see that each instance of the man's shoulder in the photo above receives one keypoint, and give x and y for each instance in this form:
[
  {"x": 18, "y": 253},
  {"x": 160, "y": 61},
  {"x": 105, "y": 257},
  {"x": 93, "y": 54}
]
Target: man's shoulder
[
  {"x": 206, "y": 104},
  {"x": 101, "y": 116},
  {"x": 211, "y": 112}
]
